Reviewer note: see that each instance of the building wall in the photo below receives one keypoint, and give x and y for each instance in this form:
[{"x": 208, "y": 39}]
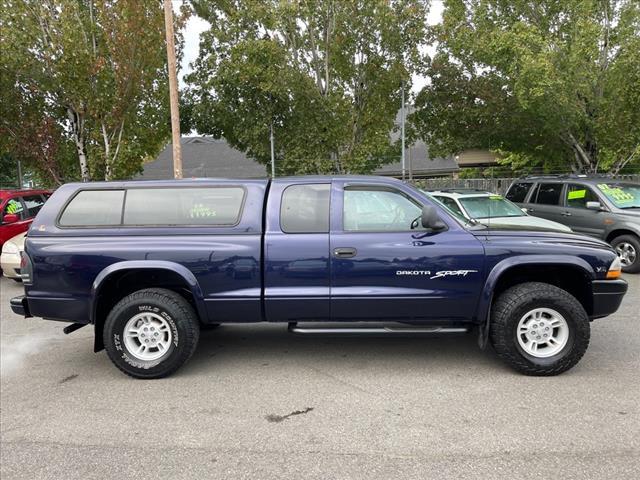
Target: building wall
[{"x": 476, "y": 157}]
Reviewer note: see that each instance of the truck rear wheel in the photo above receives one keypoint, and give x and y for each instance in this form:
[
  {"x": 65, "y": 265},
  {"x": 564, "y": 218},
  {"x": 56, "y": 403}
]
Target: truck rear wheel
[
  {"x": 151, "y": 333},
  {"x": 539, "y": 329}
]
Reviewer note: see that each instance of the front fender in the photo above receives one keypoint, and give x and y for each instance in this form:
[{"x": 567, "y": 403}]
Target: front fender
[
  {"x": 486, "y": 297},
  {"x": 176, "y": 268}
]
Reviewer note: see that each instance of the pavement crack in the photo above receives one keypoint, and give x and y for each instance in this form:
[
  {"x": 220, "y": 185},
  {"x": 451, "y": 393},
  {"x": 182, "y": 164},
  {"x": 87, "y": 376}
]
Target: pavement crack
[
  {"x": 281, "y": 418},
  {"x": 70, "y": 377}
]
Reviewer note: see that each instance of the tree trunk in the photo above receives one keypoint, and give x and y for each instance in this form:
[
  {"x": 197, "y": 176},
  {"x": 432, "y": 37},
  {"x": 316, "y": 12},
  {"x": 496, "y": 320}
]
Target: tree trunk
[
  {"x": 77, "y": 132},
  {"x": 110, "y": 159},
  {"x": 622, "y": 163},
  {"x": 584, "y": 161},
  {"x": 108, "y": 170}
]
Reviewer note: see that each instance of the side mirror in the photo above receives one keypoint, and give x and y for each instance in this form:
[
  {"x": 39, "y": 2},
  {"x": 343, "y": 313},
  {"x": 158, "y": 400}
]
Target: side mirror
[
  {"x": 594, "y": 206},
  {"x": 431, "y": 220},
  {"x": 10, "y": 218}
]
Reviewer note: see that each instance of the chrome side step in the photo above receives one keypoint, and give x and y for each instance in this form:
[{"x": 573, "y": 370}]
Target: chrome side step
[{"x": 367, "y": 330}]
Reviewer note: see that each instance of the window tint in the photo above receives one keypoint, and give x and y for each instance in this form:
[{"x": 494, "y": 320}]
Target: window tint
[
  {"x": 518, "y": 192},
  {"x": 451, "y": 204},
  {"x": 579, "y": 195},
  {"x": 93, "y": 207},
  {"x": 183, "y": 206},
  {"x": 548, "y": 193},
  {"x": 34, "y": 204},
  {"x": 14, "y": 207},
  {"x": 305, "y": 209},
  {"x": 378, "y": 210}
]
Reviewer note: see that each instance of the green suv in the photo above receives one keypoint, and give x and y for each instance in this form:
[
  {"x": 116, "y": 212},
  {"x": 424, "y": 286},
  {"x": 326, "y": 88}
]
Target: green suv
[{"x": 601, "y": 207}]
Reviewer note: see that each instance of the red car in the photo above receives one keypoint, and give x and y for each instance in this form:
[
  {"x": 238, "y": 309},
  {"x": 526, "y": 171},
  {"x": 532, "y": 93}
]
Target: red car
[{"x": 17, "y": 210}]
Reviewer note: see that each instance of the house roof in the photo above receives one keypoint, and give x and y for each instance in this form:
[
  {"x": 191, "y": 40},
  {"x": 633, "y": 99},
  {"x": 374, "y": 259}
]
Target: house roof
[
  {"x": 204, "y": 157},
  {"x": 210, "y": 157},
  {"x": 418, "y": 162}
]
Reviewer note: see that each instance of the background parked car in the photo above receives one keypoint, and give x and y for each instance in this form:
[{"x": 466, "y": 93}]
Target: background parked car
[
  {"x": 597, "y": 206},
  {"x": 489, "y": 208},
  {"x": 17, "y": 210},
  {"x": 10, "y": 256}
]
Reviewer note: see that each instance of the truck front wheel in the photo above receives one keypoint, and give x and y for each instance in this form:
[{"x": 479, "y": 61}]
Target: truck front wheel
[
  {"x": 151, "y": 333},
  {"x": 539, "y": 329}
]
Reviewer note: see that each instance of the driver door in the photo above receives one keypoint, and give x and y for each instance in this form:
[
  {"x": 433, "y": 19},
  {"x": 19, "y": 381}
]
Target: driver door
[{"x": 383, "y": 270}]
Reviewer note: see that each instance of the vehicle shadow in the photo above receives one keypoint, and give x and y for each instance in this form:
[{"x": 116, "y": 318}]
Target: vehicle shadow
[{"x": 268, "y": 344}]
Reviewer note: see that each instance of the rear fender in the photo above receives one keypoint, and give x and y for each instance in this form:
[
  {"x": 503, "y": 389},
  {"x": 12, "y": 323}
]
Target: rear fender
[{"x": 103, "y": 277}]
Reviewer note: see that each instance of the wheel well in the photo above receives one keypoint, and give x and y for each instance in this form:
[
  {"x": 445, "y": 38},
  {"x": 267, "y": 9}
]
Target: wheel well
[
  {"x": 571, "y": 279},
  {"x": 617, "y": 233},
  {"x": 120, "y": 284}
]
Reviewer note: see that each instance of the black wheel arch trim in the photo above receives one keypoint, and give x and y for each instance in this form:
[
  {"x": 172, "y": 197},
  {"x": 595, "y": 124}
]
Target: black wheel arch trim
[{"x": 487, "y": 296}]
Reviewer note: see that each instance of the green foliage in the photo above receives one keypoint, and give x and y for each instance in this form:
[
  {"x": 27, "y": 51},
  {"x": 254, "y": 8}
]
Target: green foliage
[
  {"x": 326, "y": 74},
  {"x": 553, "y": 84},
  {"x": 84, "y": 75},
  {"x": 8, "y": 171}
]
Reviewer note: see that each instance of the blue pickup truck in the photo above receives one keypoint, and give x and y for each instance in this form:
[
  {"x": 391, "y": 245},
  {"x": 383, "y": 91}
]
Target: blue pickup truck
[{"x": 150, "y": 264}]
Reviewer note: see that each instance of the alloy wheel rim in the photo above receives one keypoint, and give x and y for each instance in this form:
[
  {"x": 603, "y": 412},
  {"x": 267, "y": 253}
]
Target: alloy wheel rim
[
  {"x": 147, "y": 336},
  {"x": 542, "y": 332},
  {"x": 627, "y": 253}
]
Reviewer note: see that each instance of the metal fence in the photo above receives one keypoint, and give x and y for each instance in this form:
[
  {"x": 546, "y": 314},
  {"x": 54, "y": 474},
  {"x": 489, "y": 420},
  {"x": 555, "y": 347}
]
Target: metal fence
[{"x": 494, "y": 185}]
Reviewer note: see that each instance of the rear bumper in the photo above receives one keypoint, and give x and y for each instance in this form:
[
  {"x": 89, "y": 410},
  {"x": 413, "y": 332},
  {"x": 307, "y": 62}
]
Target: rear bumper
[
  {"x": 10, "y": 264},
  {"x": 607, "y": 296},
  {"x": 20, "y": 306}
]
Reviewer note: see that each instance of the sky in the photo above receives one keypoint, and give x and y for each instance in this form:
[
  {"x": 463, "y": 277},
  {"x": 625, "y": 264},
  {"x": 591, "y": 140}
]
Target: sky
[{"x": 196, "y": 25}]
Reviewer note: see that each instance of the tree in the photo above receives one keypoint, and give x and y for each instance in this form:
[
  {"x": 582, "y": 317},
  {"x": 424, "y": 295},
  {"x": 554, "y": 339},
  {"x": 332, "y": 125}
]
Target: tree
[
  {"x": 552, "y": 84},
  {"x": 96, "y": 67},
  {"x": 8, "y": 171},
  {"x": 325, "y": 74}
]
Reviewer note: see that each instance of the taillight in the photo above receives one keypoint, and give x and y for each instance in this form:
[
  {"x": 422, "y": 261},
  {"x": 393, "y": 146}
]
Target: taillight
[{"x": 26, "y": 268}]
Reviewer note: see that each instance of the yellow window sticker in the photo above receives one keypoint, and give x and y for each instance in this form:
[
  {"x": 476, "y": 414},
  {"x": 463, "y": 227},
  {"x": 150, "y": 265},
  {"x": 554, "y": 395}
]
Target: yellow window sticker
[
  {"x": 616, "y": 194},
  {"x": 576, "y": 194}
]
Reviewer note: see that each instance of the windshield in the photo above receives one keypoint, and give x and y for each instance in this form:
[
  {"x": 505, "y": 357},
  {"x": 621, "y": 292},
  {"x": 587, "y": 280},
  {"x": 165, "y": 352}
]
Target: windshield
[
  {"x": 490, "y": 206},
  {"x": 622, "y": 195}
]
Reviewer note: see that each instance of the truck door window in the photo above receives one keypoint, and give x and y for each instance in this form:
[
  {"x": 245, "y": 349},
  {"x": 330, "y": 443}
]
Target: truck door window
[
  {"x": 305, "y": 208},
  {"x": 548, "y": 193},
  {"x": 518, "y": 192},
  {"x": 377, "y": 210},
  {"x": 579, "y": 195},
  {"x": 34, "y": 204},
  {"x": 14, "y": 207}
]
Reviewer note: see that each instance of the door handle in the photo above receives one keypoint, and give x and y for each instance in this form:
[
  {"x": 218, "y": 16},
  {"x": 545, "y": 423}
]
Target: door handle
[
  {"x": 344, "y": 252},
  {"x": 566, "y": 214}
]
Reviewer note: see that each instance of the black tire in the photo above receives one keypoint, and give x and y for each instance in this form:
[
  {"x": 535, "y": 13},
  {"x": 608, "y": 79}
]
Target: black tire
[
  {"x": 634, "y": 242},
  {"x": 514, "y": 304},
  {"x": 164, "y": 304}
]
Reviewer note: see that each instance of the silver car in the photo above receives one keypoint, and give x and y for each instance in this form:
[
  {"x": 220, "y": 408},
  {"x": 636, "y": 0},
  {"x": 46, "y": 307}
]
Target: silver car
[
  {"x": 10, "y": 256},
  {"x": 492, "y": 210}
]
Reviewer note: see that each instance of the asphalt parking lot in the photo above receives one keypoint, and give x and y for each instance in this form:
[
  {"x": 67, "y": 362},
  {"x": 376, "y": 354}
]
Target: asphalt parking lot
[{"x": 256, "y": 402}]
